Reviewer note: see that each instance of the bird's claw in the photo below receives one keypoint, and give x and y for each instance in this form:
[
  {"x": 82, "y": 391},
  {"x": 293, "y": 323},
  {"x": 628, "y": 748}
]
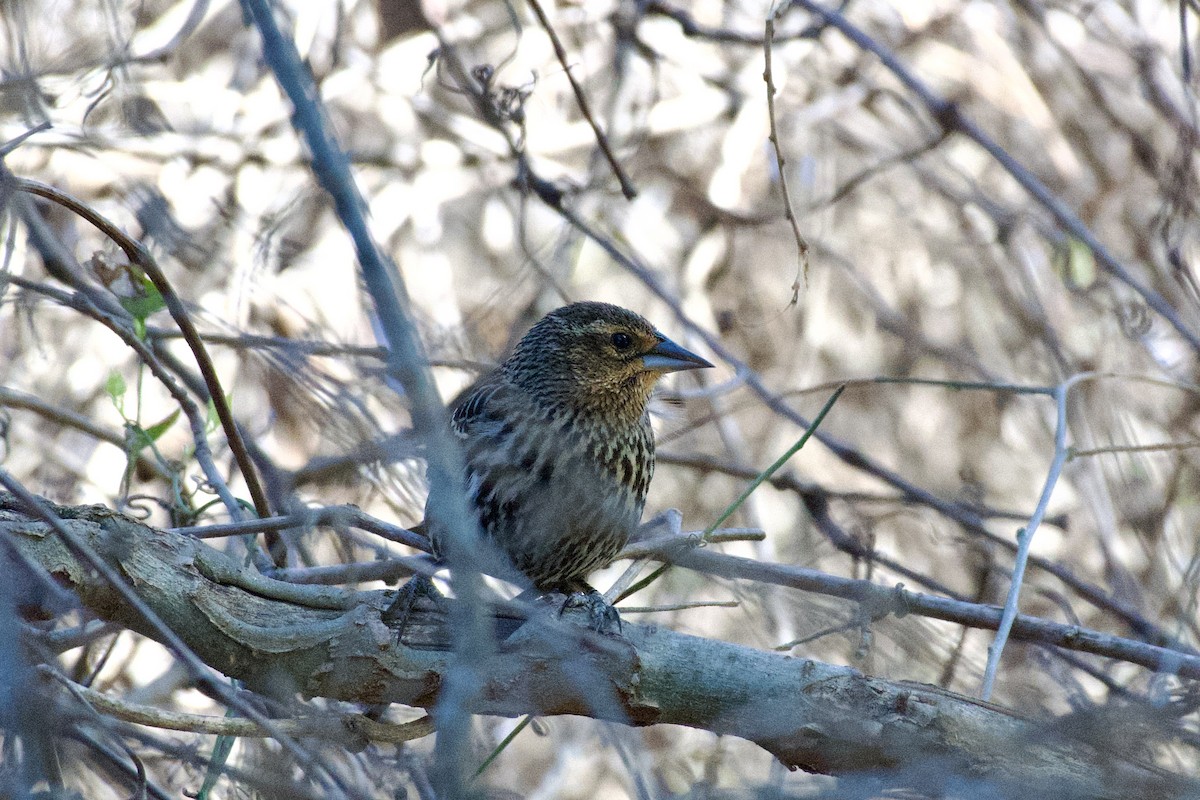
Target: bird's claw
[
  {"x": 602, "y": 615},
  {"x": 399, "y": 613}
]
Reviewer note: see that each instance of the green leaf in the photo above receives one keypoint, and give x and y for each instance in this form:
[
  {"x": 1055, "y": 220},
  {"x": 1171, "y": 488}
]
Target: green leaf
[
  {"x": 136, "y": 439},
  {"x": 146, "y": 303},
  {"x": 1076, "y": 262},
  {"x": 116, "y": 387},
  {"x": 156, "y": 431},
  {"x": 222, "y": 747},
  {"x": 212, "y": 419}
]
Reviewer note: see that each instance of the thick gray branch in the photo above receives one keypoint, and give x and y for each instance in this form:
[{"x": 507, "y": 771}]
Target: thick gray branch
[{"x": 281, "y": 638}]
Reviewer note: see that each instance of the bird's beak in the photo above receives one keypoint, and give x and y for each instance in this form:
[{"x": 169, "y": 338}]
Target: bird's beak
[{"x": 666, "y": 356}]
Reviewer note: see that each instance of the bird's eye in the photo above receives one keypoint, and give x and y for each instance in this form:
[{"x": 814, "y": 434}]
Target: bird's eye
[{"x": 622, "y": 341}]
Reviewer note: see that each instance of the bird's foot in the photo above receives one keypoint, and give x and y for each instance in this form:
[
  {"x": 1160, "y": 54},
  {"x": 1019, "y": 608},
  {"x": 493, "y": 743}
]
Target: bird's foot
[
  {"x": 602, "y": 615},
  {"x": 399, "y": 613}
]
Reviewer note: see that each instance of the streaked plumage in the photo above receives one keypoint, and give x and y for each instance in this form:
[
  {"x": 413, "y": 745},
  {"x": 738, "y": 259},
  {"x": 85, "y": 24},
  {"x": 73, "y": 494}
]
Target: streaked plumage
[{"x": 557, "y": 442}]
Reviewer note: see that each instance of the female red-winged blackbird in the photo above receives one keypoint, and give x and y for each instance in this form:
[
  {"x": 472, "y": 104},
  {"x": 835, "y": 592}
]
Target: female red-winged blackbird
[{"x": 557, "y": 442}]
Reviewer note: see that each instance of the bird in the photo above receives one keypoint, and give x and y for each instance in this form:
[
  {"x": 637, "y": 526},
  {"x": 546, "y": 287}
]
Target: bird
[{"x": 558, "y": 445}]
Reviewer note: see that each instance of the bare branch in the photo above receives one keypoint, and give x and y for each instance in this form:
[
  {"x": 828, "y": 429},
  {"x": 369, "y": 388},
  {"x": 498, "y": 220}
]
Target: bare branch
[{"x": 808, "y": 714}]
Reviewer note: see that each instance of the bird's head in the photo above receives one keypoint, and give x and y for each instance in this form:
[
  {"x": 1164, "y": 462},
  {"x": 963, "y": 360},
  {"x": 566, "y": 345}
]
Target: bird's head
[{"x": 596, "y": 357}]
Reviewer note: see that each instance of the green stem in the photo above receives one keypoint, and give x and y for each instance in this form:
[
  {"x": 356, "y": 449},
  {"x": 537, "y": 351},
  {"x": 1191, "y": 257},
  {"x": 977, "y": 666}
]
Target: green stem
[
  {"x": 759, "y": 479},
  {"x": 487, "y": 762}
]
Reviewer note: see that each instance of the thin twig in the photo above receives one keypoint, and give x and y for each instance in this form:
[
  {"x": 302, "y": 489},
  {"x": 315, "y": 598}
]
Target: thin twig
[
  {"x": 388, "y": 571},
  {"x": 952, "y": 118},
  {"x": 14, "y": 398},
  {"x": 693, "y": 29},
  {"x": 140, "y": 257},
  {"x": 789, "y": 213},
  {"x": 1025, "y": 535},
  {"x": 187, "y": 28},
  {"x": 680, "y": 606},
  {"x": 347, "y": 729},
  {"x": 1160, "y": 447},
  {"x": 880, "y": 600},
  {"x": 60, "y": 641},
  {"x": 78, "y": 692},
  {"x": 17, "y": 141},
  {"x": 200, "y": 671},
  {"x": 962, "y": 513},
  {"x": 337, "y": 516},
  {"x": 196, "y": 421},
  {"x": 657, "y": 544},
  {"x": 627, "y": 187},
  {"x": 407, "y": 361}
]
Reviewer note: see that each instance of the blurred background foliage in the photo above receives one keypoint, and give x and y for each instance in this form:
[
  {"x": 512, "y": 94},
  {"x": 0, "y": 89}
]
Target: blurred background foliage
[{"x": 926, "y": 259}]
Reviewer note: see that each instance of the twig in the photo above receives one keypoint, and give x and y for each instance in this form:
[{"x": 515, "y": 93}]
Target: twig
[
  {"x": 643, "y": 550},
  {"x": 13, "y": 398},
  {"x": 627, "y": 187},
  {"x": 705, "y": 463},
  {"x": 1025, "y": 535},
  {"x": 1160, "y": 447},
  {"x": 187, "y": 28},
  {"x": 141, "y": 258},
  {"x": 852, "y": 183},
  {"x": 900, "y": 601},
  {"x": 961, "y": 513},
  {"x": 680, "y": 606},
  {"x": 685, "y": 539},
  {"x": 789, "y": 213},
  {"x": 693, "y": 29},
  {"x": 406, "y": 360},
  {"x": 856, "y": 621},
  {"x": 17, "y": 141},
  {"x": 78, "y": 692},
  {"x": 951, "y": 117},
  {"x": 345, "y": 729},
  {"x": 60, "y": 641},
  {"x": 196, "y": 421},
  {"x": 388, "y": 571},
  {"x": 330, "y": 515},
  {"x": 200, "y": 671},
  {"x": 758, "y": 481},
  {"x": 118, "y": 764}
]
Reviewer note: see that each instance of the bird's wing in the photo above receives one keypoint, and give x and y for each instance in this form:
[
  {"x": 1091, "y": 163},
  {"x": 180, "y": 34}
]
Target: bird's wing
[{"x": 479, "y": 406}]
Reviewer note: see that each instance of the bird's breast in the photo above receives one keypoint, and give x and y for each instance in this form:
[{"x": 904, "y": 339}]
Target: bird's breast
[{"x": 559, "y": 492}]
